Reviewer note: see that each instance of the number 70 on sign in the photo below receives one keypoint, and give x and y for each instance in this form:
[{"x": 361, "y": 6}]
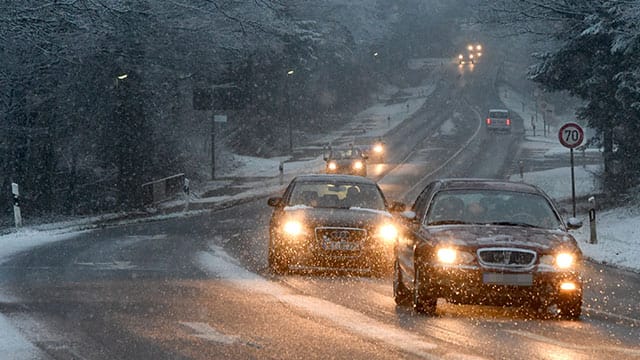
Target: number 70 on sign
[{"x": 571, "y": 135}]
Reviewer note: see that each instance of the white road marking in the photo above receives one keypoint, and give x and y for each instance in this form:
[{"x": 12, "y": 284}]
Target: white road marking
[
  {"x": 205, "y": 331},
  {"x": 114, "y": 265},
  {"x": 220, "y": 264},
  {"x": 566, "y": 345},
  {"x": 612, "y": 315}
]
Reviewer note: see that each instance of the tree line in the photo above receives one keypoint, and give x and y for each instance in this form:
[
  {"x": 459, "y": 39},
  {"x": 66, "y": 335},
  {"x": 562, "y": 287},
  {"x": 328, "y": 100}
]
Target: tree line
[{"x": 96, "y": 95}]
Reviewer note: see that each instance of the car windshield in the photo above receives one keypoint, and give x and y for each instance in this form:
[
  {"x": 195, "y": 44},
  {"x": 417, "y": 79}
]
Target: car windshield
[
  {"x": 492, "y": 207},
  {"x": 499, "y": 114},
  {"x": 336, "y": 195},
  {"x": 345, "y": 154}
]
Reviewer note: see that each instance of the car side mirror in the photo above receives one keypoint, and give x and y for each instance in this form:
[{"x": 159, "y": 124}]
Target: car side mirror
[
  {"x": 275, "y": 201},
  {"x": 574, "y": 223},
  {"x": 409, "y": 216},
  {"x": 397, "y": 206}
]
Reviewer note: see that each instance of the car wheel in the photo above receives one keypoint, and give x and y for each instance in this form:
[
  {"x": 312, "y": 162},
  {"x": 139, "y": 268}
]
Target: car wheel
[
  {"x": 423, "y": 301},
  {"x": 278, "y": 263},
  {"x": 570, "y": 308},
  {"x": 401, "y": 294}
]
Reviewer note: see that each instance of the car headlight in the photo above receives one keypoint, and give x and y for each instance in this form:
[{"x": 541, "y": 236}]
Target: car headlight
[
  {"x": 332, "y": 166},
  {"x": 377, "y": 148},
  {"x": 292, "y": 228},
  {"x": 563, "y": 260},
  {"x": 358, "y": 165},
  {"x": 446, "y": 255},
  {"x": 388, "y": 232},
  {"x": 450, "y": 256}
]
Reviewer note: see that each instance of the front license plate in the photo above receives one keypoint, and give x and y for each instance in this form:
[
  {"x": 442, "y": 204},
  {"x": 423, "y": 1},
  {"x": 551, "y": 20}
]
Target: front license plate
[
  {"x": 507, "y": 279},
  {"x": 340, "y": 245}
]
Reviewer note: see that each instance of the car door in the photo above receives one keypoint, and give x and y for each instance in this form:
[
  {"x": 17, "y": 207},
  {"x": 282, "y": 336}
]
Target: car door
[{"x": 411, "y": 235}]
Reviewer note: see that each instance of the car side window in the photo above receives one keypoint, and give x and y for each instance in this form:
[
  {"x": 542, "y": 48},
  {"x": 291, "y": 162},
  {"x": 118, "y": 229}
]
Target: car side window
[{"x": 420, "y": 205}]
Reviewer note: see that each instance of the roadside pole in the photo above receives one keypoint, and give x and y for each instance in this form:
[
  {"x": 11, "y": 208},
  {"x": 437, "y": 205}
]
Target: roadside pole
[
  {"x": 593, "y": 237},
  {"x": 16, "y": 205},
  {"x": 571, "y": 135}
]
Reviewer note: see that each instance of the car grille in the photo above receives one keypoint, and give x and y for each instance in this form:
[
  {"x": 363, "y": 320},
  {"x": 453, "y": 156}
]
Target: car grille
[
  {"x": 340, "y": 238},
  {"x": 512, "y": 258}
]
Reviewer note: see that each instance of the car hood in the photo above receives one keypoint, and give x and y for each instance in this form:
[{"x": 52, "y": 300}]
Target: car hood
[
  {"x": 352, "y": 217},
  {"x": 478, "y": 236}
]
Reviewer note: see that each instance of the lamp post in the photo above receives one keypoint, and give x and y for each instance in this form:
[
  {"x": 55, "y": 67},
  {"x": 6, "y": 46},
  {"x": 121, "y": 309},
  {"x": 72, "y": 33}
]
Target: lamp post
[{"x": 289, "y": 74}]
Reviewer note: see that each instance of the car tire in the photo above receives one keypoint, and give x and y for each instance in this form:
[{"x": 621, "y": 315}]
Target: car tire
[
  {"x": 423, "y": 301},
  {"x": 278, "y": 263},
  {"x": 401, "y": 294},
  {"x": 571, "y": 308}
]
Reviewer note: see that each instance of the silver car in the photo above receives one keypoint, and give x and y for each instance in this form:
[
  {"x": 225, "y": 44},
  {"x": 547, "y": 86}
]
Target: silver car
[{"x": 499, "y": 120}]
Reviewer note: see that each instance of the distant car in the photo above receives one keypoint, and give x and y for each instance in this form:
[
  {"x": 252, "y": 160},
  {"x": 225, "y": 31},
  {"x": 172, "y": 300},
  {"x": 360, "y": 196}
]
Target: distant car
[
  {"x": 332, "y": 221},
  {"x": 374, "y": 150},
  {"x": 349, "y": 160},
  {"x": 469, "y": 59},
  {"x": 487, "y": 242},
  {"x": 498, "y": 119}
]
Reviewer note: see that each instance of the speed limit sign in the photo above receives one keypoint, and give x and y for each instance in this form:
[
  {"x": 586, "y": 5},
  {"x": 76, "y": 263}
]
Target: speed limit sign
[{"x": 571, "y": 135}]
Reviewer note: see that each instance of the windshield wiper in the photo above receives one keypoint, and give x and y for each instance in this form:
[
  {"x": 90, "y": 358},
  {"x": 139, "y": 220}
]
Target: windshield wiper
[
  {"x": 447, "y": 222},
  {"x": 511, "y": 223}
]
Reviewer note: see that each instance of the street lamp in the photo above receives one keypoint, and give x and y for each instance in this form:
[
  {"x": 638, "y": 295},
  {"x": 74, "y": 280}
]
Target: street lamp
[
  {"x": 290, "y": 73},
  {"x": 120, "y": 78}
]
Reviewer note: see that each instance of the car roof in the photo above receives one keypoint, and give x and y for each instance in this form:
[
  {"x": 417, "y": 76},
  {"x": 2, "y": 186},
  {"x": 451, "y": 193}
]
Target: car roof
[
  {"x": 499, "y": 110},
  {"x": 334, "y": 177},
  {"x": 487, "y": 184}
]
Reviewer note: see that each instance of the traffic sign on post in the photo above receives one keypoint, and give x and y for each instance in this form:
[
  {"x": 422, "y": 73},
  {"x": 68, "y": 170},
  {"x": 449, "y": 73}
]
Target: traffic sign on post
[{"x": 571, "y": 135}]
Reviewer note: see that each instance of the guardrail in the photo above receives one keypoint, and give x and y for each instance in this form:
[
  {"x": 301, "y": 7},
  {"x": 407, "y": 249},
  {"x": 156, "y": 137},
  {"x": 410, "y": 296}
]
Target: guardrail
[{"x": 163, "y": 189}]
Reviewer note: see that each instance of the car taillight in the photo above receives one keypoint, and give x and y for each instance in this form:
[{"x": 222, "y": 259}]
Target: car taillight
[
  {"x": 508, "y": 122},
  {"x": 488, "y": 121}
]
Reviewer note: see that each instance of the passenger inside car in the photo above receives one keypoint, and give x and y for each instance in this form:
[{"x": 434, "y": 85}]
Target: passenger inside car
[
  {"x": 476, "y": 213},
  {"x": 449, "y": 208},
  {"x": 328, "y": 200},
  {"x": 354, "y": 197},
  {"x": 309, "y": 198}
]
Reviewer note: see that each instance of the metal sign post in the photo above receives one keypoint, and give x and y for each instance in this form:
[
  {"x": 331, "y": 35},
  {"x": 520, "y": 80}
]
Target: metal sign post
[{"x": 571, "y": 136}]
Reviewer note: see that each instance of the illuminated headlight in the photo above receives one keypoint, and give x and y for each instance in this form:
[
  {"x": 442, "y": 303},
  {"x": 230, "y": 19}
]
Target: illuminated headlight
[
  {"x": 332, "y": 166},
  {"x": 561, "y": 260},
  {"x": 452, "y": 256},
  {"x": 292, "y": 228},
  {"x": 358, "y": 165},
  {"x": 447, "y": 256},
  {"x": 377, "y": 148},
  {"x": 460, "y": 57},
  {"x": 564, "y": 260},
  {"x": 388, "y": 232}
]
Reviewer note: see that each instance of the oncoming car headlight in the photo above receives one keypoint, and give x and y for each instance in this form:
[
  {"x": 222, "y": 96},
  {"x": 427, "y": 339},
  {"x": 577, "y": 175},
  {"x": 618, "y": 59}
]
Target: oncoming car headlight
[
  {"x": 332, "y": 166},
  {"x": 358, "y": 165},
  {"x": 293, "y": 228},
  {"x": 388, "y": 232},
  {"x": 377, "y": 148},
  {"x": 563, "y": 260},
  {"x": 451, "y": 256}
]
